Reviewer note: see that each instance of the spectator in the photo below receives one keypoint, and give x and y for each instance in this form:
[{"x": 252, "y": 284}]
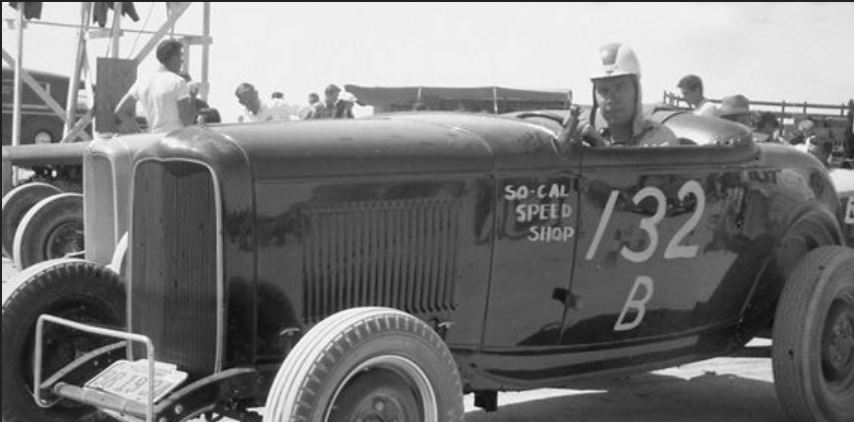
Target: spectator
[
  {"x": 736, "y": 108},
  {"x": 197, "y": 103},
  {"x": 814, "y": 143},
  {"x": 804, "y": 132},
  {"x": 821, "y": 147},
  {"x": 344, "y": 106},
  {"x": 253, "y": 109},
  {"x": 692, "y": 92},
  {"x": 208, "y": 115},
  {"x": 164, "y": 95},
  {"x": 616, "y": 117},
  {"x": 326, "y": 109},
  {"x": 313, "y": 99},
  {"x": 768, "y": 129}
]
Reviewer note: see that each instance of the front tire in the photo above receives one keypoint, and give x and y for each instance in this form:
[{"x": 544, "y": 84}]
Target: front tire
[
  {"x": 69, "y": 288},
  {"x": 367, "y": 364},
  {"x": 813, "y": 345}
]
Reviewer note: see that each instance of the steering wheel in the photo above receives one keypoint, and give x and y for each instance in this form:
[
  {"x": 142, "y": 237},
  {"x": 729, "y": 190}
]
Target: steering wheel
[{"x": 587, "y": 140}]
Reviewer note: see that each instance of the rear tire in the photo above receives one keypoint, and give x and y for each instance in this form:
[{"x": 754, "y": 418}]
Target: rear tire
[
  {"x": 813, "y": 345},
  {"x": 51, "y": 229},
  {"x": 70, "y": 288},
  {"x": 367, "y": 364},
  {"x": 16, "y": 203}
]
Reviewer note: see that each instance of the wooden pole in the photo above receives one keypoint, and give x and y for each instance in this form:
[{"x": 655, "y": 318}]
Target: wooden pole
[
  {"x": 16, "y": 101},
  {"x": 206, "y": 53},
  {"x": 116, "y": 30},
  {"x": 174, "y": 13},
  {"x": 73, "y": 88},
  {"x": 185, "y": 50},
  {"x": 18, "y": 93}
]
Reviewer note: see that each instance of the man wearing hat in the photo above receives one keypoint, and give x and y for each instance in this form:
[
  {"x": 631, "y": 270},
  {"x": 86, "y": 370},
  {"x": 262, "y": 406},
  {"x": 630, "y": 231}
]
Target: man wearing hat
[
  {"x": 616, "y": 117},
  {"x": 164, "y": 95},
  {"x": 344, "y": 106},
  {"x": 736, "y": 108}
]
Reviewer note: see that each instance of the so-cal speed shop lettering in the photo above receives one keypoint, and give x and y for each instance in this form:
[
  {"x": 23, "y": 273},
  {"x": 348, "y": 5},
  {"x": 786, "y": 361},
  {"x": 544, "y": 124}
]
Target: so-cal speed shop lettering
[{"x": 550, "y": 215}]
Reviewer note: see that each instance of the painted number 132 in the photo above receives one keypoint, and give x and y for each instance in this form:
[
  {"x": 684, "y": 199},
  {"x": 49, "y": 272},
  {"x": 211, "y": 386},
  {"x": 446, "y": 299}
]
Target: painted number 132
[{"x": 649, "y": 225}]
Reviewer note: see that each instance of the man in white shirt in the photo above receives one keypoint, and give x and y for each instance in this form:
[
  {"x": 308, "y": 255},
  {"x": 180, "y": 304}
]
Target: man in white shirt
[
  {"x": 253, "y": 109},
  {"x": 163, "y": 94},
  {"x": 692, "y": 92}
]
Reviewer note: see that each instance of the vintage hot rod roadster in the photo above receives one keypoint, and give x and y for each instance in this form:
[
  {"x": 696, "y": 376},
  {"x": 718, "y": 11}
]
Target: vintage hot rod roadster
[{"x": 377, "y": 269}]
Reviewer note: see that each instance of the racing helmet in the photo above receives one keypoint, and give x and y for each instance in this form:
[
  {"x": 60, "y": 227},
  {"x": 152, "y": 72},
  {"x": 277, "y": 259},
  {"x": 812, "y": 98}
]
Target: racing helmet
[{"x": 615, "y": 59}]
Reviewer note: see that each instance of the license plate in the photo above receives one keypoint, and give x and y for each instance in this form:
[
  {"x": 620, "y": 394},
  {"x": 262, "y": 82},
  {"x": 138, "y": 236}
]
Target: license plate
[{"x": 130, "y": 380}]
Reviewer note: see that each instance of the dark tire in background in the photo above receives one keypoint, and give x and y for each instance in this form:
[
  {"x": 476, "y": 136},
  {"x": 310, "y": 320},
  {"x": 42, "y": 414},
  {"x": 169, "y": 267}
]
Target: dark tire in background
[
  {"x": 16, "y": 203},
  {"x": 52, "y": 228}
]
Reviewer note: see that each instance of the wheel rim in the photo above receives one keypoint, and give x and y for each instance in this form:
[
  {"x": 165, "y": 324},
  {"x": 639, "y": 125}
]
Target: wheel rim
[
  {"x": 384, "y": 389},
  {"x": 837, "y": 344},
  {"x": 64, "y": 239}
]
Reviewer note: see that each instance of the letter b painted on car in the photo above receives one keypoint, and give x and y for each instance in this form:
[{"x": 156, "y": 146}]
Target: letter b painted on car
[{"x": 637, "y": 304}]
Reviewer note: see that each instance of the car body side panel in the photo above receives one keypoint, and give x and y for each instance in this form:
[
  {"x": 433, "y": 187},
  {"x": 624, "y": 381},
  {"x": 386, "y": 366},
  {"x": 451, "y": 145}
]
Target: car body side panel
[
  {"x": 534, "y": 248},
  {"x": 656, "y": 241},
  {"x": 420, "y": 244},
  {"x": 684, "y": 298}
]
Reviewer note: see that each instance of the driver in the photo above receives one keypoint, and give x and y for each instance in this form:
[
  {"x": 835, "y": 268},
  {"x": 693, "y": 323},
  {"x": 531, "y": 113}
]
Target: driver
[{"x": 616, "y": 117}]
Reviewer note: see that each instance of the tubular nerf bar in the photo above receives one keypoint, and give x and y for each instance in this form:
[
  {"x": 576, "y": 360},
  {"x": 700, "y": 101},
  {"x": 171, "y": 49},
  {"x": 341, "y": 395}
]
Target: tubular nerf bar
[{"x": 138, "y": 338}]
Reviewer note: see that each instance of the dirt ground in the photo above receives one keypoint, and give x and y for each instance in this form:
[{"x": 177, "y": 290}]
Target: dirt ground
[{"x": 733, "y": 389}]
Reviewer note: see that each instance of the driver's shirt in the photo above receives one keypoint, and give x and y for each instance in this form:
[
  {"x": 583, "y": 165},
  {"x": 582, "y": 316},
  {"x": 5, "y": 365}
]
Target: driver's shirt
[{"x": 706, "y": 108}]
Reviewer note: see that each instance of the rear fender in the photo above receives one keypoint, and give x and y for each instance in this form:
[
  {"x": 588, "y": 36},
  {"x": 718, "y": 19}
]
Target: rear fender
[{"x": 813, "y": 227}]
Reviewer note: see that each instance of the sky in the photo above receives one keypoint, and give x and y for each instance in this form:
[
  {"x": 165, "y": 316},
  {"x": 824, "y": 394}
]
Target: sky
[{"x": 766, "y": 51}]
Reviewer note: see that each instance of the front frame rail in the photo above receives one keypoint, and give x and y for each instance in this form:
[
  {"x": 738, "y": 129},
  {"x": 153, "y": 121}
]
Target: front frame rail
[{"x": 106, "y": 332}]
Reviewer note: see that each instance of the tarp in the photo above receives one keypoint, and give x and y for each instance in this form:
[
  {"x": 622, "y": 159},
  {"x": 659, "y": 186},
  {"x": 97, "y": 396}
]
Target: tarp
[{"x": 385, "y": 96}]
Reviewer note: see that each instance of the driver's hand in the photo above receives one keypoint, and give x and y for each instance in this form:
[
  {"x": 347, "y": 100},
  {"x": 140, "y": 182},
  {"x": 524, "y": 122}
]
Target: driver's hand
[{"x": 588, "y": 134}]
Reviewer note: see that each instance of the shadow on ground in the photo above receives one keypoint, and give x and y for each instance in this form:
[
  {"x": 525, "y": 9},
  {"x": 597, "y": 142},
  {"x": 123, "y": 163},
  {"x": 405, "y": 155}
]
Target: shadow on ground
[{"x": 645, "y": 398}]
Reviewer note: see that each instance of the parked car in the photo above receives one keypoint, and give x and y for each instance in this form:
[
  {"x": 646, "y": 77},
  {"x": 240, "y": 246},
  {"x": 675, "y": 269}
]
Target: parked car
[
  {"x": 39, "y": 125},
  {"x": 379, "y": 268}
]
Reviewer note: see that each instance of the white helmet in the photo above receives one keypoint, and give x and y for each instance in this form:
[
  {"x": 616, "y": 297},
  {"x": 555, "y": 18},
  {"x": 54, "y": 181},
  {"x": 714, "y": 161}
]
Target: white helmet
[{"x": 615, "y": 59}]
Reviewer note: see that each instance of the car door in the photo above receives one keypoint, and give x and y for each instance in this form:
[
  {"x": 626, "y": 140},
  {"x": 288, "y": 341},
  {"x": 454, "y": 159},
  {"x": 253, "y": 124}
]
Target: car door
[
  {"x": 657, "y": 245},
  {"x": 534, "y": 245}
]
